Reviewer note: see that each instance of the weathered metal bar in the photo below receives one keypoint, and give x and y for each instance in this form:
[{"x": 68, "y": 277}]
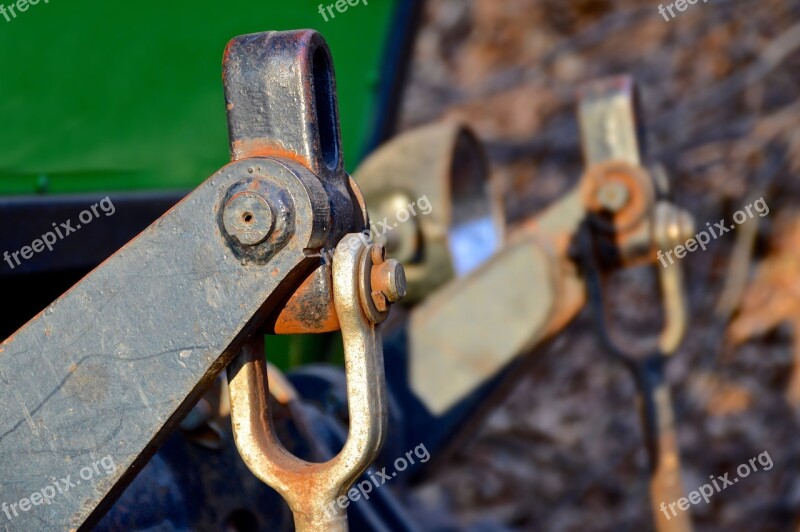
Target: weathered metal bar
[{"x": 108, "y": 368}]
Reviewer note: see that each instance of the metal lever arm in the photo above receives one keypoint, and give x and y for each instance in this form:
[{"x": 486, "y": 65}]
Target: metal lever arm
[{"x": 112, "y": 365}]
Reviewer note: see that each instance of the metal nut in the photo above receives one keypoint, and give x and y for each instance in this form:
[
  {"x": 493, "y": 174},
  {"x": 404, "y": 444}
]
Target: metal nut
[
  {"x": 377, "y": 254},
  {"x": 389, "y": 281},
  {"x": 248, "y": 218},
  {"x": 380, "y": 301},
  {"x": 382, "y": 282}
]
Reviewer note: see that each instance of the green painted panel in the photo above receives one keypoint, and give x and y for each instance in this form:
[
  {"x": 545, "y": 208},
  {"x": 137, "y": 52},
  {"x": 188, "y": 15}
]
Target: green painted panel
[{"x": 100, "y": 96}]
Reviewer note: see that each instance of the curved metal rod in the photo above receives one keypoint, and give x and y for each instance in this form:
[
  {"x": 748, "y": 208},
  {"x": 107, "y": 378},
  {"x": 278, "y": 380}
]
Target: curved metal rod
[
  {"x": 647, "y": 366},
  {"x": 672, "y": 294},
  {"x": 666, "y": 233},
  {"x": 310, "y": 489}
]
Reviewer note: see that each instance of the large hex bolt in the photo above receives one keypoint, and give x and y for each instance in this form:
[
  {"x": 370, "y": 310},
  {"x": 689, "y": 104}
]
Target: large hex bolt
[
  {"x": 387, "y": 278},
  {"x": 248, "y": 218}
]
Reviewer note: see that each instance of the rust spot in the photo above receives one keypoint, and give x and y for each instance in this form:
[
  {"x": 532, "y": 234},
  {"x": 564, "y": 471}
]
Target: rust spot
[
  {"x": 635, "y": 181},
  {"x": 310, "y": 309},
  {"x": 226, "y": 55},
  {"x": 244, "y": 149}
]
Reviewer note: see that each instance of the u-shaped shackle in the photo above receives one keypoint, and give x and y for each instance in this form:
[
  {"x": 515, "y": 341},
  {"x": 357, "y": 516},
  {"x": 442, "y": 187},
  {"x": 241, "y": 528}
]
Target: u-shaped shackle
[{"x": 311, "y": 489}]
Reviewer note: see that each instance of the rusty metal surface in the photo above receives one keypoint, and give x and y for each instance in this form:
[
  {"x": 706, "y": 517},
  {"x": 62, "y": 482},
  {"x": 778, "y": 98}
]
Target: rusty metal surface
[
  {"x": 310, "y": 308},
  {"x": 312, "y": 490},
  {"x": 109, "y": 368},
  {"x": 617, "y": 195},
  {"x": 299, "y": 122}
]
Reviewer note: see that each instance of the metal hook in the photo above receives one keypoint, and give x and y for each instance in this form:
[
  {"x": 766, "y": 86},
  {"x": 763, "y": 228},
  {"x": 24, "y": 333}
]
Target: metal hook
[{"x": 311, "y": 489}]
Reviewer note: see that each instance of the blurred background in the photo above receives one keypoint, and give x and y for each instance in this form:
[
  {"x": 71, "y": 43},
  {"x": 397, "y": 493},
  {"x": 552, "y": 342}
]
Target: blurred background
[{"x": 719, "y": 91}]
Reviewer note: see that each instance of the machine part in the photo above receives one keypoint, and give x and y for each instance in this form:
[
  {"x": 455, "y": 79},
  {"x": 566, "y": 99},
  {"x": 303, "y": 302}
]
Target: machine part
[
  {"x": 264, "y": 122},
  {"x": 152, "y": 362},
  {"x": 465, "y": 353},
  {"x": 383, "y": 282},
  {"x": 444, "y": 164},
  {"x": 618, "y": 195},
  {"x": 233, "y": 499},
  {"x": 248, "y": 218},
  {"x": 608, "y": 126},
  {"x": 647, "y": 367},
  {"x": 388, "y": 279},
  {"x": 311, "y": 490},
  {"x": 618, "y": 207},
  {"x": 111, "y": 367},
  {"x": 672, "y": 226},
  {"x": 669, "y": 229},
  {"x": 609, "y": 123},
  {"x": 540, "y": 256},
  {"x": 610, "y": 136},
  {"x": 165, "y": 494}
]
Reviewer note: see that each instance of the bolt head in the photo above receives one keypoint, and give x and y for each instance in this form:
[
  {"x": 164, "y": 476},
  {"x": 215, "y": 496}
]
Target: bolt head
[
  {"x": 248, "y": 218},
  {"x": 613, "y": 196},
  {"x": 389, "y": 278}
]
